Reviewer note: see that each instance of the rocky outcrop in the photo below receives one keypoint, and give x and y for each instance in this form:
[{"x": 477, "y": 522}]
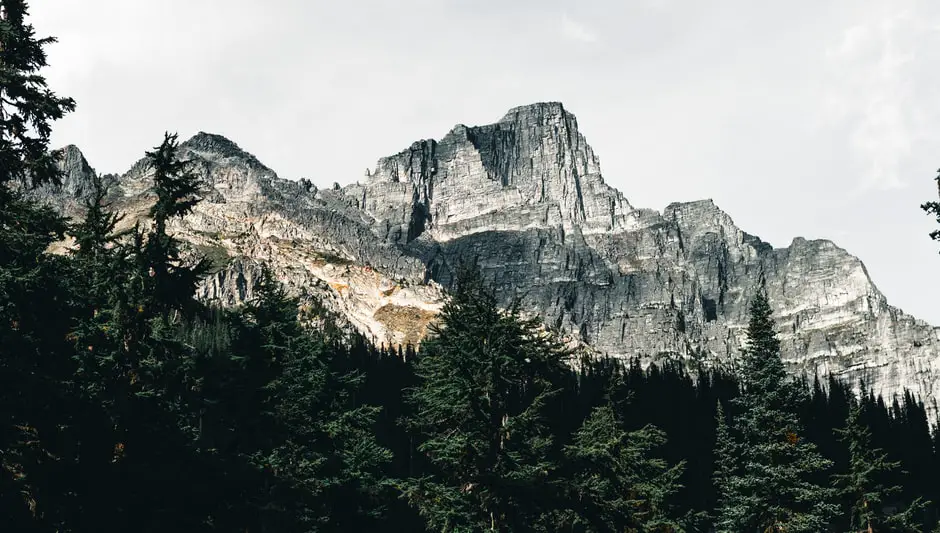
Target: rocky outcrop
[{"x": 524, "y": 199}]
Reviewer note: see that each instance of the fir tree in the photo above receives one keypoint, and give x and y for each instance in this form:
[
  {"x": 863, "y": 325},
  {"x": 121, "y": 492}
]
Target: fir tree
[
  {"x": 619, "y": 484},
  {"x": 35, "y": 307},
  {"x": 485, "y": 379},
  {"x": 177, "y": 187},
  {"x": 95, "y": 236},
  {"x": 730, "y": 513},
  {"x": 933, "y": 208},
  {"x": 27, "y": 106},
  {"x": 136, "y": 360},
  {"x": 100, "y": 267},
  {"x": 774, "y": 488},
  {"x": 864, "y": 486},
  {"x": 325, "y": 452}
]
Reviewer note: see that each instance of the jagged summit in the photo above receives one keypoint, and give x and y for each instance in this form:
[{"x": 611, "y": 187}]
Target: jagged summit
[
  {"x": 524, "y": 199},
  {"x": 531, "y": 169},
  {"x": 71, "y": 151},
  {"x": 212, "y": 142},
  {"x": 538, "y": 113},
  {"x": 77, "y": 174},
  {"x": 215, "y": 147},
  {"x": 537, "y": 108}
]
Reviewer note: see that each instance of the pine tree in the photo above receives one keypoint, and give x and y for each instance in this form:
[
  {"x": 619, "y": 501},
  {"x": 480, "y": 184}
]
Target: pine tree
[
  {"x": 95, "y": 236},
  {"x": 864, "y": 484},
  {"x": 775, "y": 487},
  {"x": 485, "y": 379},
  {"x": 730, "y": 513},
  {"x": 27, "y": 106},
  {"x": 100, "y": 266},
  {"x": 177, "y": 188},
  {"x": 619, "y": 484},
  {"x": 324, "y": 450},
  {"x": 933, "y": 208},
  {"x": 136, "y": 360},
  {"x": 35, "y": 303}
]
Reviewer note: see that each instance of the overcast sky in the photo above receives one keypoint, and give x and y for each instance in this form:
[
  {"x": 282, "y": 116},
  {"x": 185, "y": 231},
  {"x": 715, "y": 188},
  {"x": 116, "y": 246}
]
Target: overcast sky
[{"x": 813, "y": 118}]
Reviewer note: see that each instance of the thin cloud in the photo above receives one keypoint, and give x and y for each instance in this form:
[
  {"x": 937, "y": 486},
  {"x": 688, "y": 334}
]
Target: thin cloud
[
  {"x": 852, "y": 39},
  {"x": 658, "y": 4},
  {"x": 576, "y": 31},
  {"x": 874, "y": 65}
]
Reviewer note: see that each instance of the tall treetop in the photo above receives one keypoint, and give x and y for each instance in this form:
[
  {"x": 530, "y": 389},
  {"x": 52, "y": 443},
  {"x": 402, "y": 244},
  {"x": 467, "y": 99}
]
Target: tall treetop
[
  {"x": 933, "y": 208},
  {"x": 27, "y": 105},
  {"x": 174, "y": 182}
]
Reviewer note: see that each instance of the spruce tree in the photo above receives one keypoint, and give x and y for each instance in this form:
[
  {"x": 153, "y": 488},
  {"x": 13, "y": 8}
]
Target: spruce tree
[
  {"x": 35, "y": 303},
  {"x": 618, "y": 482},
  {"x": 730, "y": 512},
  {"x": 775, "y": 487},
  {"x": 864, "y": 483},
  {"x": 323, "y": 448},
  {"x": 136, "y": 360},
  {"x": 485, "y": 380},
  {"x": 100, "y": 266},
  {"x": 99, "y": 270},
  {"x": 27, "y": 106},
  {"x": 95, "y": 235},
  {"x": 177, "y": 189},
  {"x": 933, "y": 208}
]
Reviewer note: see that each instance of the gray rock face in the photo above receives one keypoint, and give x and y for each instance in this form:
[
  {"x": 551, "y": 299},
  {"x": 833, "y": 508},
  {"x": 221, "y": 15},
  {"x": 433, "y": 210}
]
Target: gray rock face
[
  {"x": 531, "y": 169},
  {"x": 525, "y": 200}
]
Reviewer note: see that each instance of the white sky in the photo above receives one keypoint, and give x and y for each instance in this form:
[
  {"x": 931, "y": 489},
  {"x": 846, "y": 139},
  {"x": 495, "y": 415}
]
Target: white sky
[{"x": 813, "y": 118}]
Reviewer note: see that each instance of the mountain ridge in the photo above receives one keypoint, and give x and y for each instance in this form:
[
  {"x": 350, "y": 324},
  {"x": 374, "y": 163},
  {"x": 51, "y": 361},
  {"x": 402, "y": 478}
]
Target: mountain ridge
[{"x": 525, "y": 199}]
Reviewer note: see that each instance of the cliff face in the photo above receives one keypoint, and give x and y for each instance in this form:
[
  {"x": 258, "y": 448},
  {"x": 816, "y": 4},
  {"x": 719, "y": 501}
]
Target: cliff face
[{"x": 525, "y": 200}]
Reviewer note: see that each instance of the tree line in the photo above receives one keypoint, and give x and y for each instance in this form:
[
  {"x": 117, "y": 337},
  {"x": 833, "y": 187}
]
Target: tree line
[{"x": 126, "y": 404}]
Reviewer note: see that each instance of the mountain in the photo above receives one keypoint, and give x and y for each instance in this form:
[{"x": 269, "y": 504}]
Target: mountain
[{"x": 524, "y": 199}]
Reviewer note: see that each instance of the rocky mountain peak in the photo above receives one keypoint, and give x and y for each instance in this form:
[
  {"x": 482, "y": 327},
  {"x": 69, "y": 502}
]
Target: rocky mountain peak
[
  {"x": 539, "y": 113},
  {"x": 532, "y": 168},
  {"x": 74, "y": 165},
  {"x": 215, "y": 148},
  {"x": 524, "y": 199},
  {"x": 75, "y": 183},
  {"x": 212, "y": 142}
]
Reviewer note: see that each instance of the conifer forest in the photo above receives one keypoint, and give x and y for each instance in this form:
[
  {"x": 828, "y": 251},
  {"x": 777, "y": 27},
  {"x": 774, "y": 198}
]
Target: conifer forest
[{"x": 128, "y": 404}]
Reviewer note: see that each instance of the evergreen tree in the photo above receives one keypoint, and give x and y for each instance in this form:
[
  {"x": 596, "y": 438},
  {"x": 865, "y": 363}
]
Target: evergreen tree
[
  {"x": 864, "y": 486},
  {"x": 774, "y": 488},
  {"x": 933, "y": 208},
  {"x": 730, "y": 513},
  {"x": 27, "y": 106},
  {"x": 95, "y": 236},
  {"x": 34, "y": 303},
  {"x": 485, "y": 380},
  {"x": 619, "y": 485},
  {"x": 100, "y": 267},
  {"x": 325, "y": 452},
  {"x": 177, "y": 188},
  {"x": 136, "y": 360}
]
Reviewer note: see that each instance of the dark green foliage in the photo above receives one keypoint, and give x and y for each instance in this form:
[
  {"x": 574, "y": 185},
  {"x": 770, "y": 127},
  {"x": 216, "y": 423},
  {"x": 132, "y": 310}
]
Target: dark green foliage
[
  {"x": 95, "y": 237},
  {"x": 485, "y": 381},
  {"x": 27, "y": 106},
  {"x": 864, "y": 483},
  {"x": 174, "y": 183},
  {"x": 328, "y": 458},
  {"x": 36, "y": 445},
  {"x": 128, "y": 405},
  {"x": 171, "y": 282},
  {"x": 726, "y": 461},
  {"x": 618, "y": 484},
  {"x": 773, "y": 486}
]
